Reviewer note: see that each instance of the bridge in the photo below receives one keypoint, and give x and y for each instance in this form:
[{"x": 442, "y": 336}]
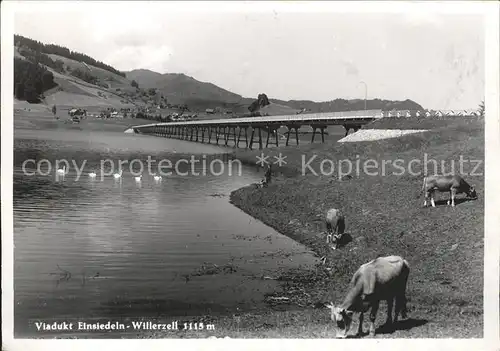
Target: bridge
[{"x": 226, "y": 129}]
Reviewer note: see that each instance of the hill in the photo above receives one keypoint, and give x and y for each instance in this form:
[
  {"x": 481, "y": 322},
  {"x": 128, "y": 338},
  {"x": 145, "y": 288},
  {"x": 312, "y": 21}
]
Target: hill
[
  {"x": 180, "y": 88},
  {"x": 350, "y": 105},
  {"x": 82, "y": 81}
]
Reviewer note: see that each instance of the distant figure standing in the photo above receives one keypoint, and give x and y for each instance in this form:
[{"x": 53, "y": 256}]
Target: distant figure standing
[
  {"x": 267, "y": 175},
  {"x": 54, "y": 110}
]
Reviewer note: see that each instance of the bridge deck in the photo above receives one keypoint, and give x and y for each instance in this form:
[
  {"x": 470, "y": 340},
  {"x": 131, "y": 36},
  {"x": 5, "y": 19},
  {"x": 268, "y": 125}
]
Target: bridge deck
[{"x": 303, "y": 119}]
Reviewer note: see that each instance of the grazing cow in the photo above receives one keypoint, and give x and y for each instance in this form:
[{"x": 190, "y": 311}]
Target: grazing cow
[
  {"x": 383, "y": 278},
  {"x": 452, "y": 183},
  {"x": 335, "y": 226}
]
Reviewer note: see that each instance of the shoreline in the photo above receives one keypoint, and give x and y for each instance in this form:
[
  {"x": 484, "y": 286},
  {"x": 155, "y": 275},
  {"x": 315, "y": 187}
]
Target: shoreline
[{"x": 290, "y": 205}]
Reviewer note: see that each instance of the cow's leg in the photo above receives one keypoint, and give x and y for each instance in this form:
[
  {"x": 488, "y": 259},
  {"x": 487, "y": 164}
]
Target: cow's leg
[
  {"x": 426, "y": 196},
  {"x": 388, "y": 322},
  {"x": 404, "y": 311},
  {"x": 335, "y": 239},
  {"x": 400, "y": 306},
  {"x": 432, "y": 200},
  {"x": 360, "y": 326},
  {"x": 373, "y": 315},
  {"x": 328, "y": 232},
  {"x": 453, "y": 192}
]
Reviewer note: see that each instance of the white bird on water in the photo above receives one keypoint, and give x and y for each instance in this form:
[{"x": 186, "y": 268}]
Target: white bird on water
[
  {"x": 92, "y": 174},
  {"x": 156, "y": 177},
  {"x": 118, "y": 175},
  {"x": 62, "y": 171},
  {"x": 138, "y": 178}
]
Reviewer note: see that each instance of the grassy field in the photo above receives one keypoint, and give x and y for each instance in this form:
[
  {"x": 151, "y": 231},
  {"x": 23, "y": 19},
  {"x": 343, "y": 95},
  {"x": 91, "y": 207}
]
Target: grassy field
[
  {"x": 443, "y": 245},
  {"x": 39, "y": 116}
]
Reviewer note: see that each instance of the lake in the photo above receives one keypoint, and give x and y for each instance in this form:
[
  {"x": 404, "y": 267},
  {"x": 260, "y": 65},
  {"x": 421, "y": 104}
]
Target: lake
[{"x": 109, "y": 249}]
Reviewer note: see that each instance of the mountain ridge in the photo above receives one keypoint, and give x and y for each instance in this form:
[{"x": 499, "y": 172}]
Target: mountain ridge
[{"x": 176, "y": 88}]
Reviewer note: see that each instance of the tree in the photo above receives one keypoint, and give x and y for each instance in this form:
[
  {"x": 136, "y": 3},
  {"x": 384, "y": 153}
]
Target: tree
[
  {"x": 135, "y": 84},
  {"x": 30, "y": 93},
  {"x": 47, "y": 80},
  {"x": 19, "y": 91}
]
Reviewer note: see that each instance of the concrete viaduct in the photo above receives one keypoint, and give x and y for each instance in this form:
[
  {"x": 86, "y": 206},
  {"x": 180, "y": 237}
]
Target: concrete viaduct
[{"x": 238, "y": 129}]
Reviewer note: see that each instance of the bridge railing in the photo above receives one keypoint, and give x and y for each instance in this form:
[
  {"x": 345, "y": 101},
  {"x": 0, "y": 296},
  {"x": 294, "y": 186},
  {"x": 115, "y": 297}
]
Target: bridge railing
[
  {"x": 316, "y": 118},
  {"x": 430, "y": 113}
]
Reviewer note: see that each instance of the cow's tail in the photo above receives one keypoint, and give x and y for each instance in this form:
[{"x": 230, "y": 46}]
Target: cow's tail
[{"x": 423, "y": 188}]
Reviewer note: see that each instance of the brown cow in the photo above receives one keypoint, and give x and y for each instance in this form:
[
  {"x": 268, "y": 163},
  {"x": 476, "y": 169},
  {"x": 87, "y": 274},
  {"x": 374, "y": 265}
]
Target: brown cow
[
  {"x": 452, "y": 183},
  {"x": 383, "y": 278}
]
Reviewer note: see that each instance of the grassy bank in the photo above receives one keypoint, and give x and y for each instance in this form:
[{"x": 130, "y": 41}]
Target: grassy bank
[{"x": 443, "y": 245}]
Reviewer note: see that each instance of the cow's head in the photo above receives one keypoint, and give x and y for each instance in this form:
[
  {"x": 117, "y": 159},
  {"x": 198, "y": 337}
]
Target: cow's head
[
  {"x": 472, "y": 193},
  {"x": 342, "y": 319}
]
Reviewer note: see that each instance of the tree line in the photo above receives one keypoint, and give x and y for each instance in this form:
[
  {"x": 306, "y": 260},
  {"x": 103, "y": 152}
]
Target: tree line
[
  {"x": 37, "y": 56},
  {"x": 62, "y": 51},
  {"x": 31, "y": 80}
]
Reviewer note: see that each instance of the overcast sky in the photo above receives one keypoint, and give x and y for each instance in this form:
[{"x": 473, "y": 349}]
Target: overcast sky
[{"x": 435, "y": 60}]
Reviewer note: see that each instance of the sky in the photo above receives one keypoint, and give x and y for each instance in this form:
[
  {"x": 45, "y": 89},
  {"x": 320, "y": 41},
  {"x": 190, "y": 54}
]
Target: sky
[{"x": 434, "y": 59}]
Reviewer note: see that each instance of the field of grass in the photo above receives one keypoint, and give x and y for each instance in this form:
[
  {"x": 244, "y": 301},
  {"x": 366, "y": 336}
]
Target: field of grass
[
  {"x": 39, "y": 116},
  {"x": 443, "y": 245},
  {"x": 114, "y": 79},
  {"x": 274, "y": 109}
]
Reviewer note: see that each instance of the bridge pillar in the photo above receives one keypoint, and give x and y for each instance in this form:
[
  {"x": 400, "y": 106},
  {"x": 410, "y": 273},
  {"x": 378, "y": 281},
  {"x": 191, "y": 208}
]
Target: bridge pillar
[
  {"x": 234, "y": 136},
  {"x": 347, "y": 128},
  {"x": 226, "y": 135},
  {"x": 272, "y": 129},
  {"x": 202, "y": 134},
  {"x": 290, "y": 128},
  {"x": 260, "y": 138},
  {"x": 251, "y": 138},
  {"x": 239, "y": 136},
  {"x": 217, "y": 135},
  {"x": 209, "y": 134},
  {"x": 246, "y": 136},
  {"x": 314, "y": 134}
]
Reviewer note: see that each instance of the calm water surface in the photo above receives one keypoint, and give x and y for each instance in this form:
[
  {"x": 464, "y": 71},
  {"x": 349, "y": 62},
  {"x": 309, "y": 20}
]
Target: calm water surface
[{"x": 110, "y": 249}]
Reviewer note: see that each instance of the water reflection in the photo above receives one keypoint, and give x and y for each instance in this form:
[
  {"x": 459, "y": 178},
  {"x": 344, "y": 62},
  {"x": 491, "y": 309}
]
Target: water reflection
[{"x": 92, "y": 247}]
